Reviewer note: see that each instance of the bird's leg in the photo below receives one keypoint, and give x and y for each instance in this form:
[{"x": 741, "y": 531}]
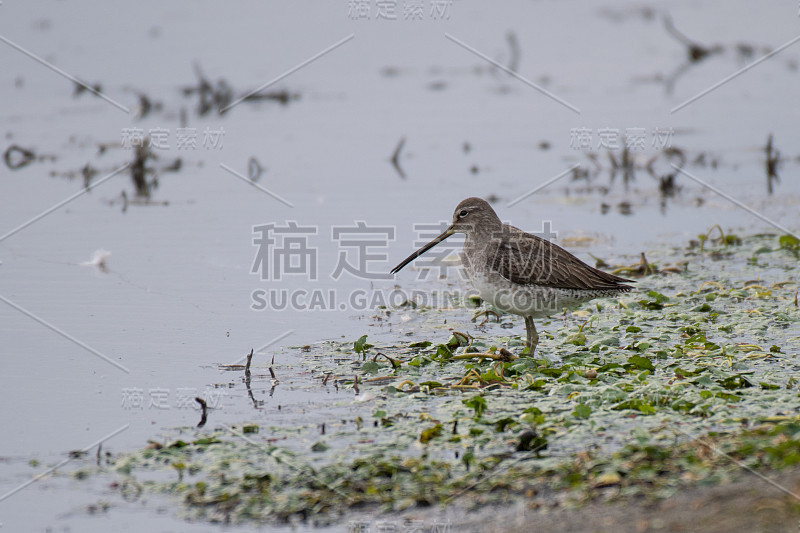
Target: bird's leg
[{"x": 533, "y": 337}]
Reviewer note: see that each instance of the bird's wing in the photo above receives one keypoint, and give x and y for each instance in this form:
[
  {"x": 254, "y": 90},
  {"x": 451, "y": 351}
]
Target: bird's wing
[{"x": 530, "y": 260}]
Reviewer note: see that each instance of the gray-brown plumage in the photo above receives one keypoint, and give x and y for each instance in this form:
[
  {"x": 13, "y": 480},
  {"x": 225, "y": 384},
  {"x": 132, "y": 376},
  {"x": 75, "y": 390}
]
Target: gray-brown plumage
[{"x": 518, "y": 272}]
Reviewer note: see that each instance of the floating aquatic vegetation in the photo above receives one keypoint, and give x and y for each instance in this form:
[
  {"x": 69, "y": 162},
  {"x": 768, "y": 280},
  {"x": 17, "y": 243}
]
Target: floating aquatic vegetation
[{"x": 637, "y": 396}]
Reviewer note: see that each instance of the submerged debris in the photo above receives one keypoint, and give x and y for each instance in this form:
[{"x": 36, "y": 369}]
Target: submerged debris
[
  {"x": 17, "y": 157},
  {"x": 99, "y": 259},
  {"x": 772, "y": 161},
  {"x": 204, "y": 411},
  {"x": 220, "y": 95},
  {"x": 254, "y": 169},
  {"x": 82, "y": 87},
  {"x": 514, "y": 54},
  {"x": 396, "y": 157},
  {"x": 695, "y": 51},
  {"x": 139, "y": 170}
]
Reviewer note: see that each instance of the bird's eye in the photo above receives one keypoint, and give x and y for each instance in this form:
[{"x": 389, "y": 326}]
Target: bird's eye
[{"x": 462, "y": 213}]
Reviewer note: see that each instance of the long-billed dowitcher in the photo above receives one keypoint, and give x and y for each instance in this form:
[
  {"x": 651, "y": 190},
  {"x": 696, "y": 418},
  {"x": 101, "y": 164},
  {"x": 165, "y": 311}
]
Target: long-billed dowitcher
[{"x": 518, "y": 272}]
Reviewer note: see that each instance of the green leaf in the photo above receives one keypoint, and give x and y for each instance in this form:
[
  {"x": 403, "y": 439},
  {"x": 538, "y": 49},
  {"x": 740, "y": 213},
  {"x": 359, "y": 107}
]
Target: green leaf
[
  {"x": 420, "y": 344},
  {"x": 361, "y": 346},
  {"x": 789, "y": 242},
  {"x": 552, "y": 372},
  {"x": 642, "y": 363},
  {"x": 646, "y": 408},
  {"x": 582, "y": 411},
  {"x": 532, "y": 416},
  {"x": 203, "y": 441},
  {"x": 476, "y": 403},
  {"x": 655, "y": 302},
  {"x": 732, "y": 240},
  {"x": 430, "y": 433},
  {"x": 456, "y": 341},
  {"x": 443, "y": 353},
  {"x": 578, "y": 339},
  {"x": 608, "y": 366},
  {"x": 319, "y": 446},
  {"x": 605, "y": 341},
  {"x": 637, "y": 404},
  {"x": 657, "y": 296},
  {"x": 370, "y": 367},
  {"x": 419, "y": 360},
  {"x": 739, "y": 381},
  {"x": 537, "y": 384},
  {"x": 503, "y": 424},
  {"x": 727, "y": 396}
]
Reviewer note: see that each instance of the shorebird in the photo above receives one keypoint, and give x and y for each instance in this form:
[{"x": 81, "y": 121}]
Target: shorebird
[{"x": 518, "y": 272}]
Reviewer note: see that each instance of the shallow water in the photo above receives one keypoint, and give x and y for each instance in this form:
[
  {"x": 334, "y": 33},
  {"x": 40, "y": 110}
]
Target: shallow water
[{"x": 176, "y": 300}]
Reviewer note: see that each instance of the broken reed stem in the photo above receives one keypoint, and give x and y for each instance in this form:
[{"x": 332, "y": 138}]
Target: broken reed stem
[
  {"x": 494, "y": 356},
  {"x": 249, "y": 360},
  {"x": 204, "y": 408},
  {"x": 395, "y": 362}
]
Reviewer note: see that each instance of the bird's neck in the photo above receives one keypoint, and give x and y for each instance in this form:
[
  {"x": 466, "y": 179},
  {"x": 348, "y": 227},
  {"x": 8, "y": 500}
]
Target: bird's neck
[{"x": 488, "y": 232}]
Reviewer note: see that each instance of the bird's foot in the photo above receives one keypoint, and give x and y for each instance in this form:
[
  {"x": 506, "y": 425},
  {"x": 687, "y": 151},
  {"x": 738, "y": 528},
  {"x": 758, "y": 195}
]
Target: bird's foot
[{"x": 485, "y": 313}]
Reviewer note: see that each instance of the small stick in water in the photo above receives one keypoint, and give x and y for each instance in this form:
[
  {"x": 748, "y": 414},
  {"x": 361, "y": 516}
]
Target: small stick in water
[
  {"x": 249, "y": 360},
  {"x": 204, "y": 407},
  {"x": 396, "y": 158}
]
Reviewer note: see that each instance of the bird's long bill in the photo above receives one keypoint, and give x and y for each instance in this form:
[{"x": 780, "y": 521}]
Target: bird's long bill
[{"x": 449, "y": 231}]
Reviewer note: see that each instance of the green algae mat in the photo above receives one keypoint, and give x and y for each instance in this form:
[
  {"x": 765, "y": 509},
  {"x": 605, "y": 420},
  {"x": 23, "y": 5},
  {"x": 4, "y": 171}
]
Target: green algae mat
[{"x": 692, "y": 378}]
